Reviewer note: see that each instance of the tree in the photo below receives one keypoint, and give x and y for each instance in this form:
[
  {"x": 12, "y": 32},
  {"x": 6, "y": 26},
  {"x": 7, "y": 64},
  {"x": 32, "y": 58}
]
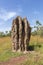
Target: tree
[
  {"x": 9, "y": 33},
  {"x": 2, "y": 34},
  {"x": 41, "y": 31},
  {"x": 34, "y": 33},
  {"x": 38, "y": 24},
  {"x": 6, "y": 32}
]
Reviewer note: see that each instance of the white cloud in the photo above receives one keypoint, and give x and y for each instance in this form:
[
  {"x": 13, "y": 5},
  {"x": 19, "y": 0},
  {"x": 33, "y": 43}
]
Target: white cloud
[{"x": 6, "y": 15}]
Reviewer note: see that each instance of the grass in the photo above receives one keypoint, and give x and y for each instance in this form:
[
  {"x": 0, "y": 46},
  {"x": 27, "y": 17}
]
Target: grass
[
  {"x": 33, "y": 58},
  {"x": 5, "y": 44},
  {"x": 37, "y": 45},
  {"x": 5, "y": 49},
  {"x": 8, "y": 54}
]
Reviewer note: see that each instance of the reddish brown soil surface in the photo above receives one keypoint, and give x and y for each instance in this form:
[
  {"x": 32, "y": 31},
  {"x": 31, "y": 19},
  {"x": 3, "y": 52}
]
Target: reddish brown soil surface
[{"x": 15, "y": 61}]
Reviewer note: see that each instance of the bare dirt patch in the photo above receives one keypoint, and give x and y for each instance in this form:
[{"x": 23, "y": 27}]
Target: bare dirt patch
[{"x": 15, "y": 61}]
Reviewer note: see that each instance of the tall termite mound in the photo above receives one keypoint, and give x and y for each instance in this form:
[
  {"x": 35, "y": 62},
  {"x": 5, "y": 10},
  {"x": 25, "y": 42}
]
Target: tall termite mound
[{"x": 21, "y": 32}]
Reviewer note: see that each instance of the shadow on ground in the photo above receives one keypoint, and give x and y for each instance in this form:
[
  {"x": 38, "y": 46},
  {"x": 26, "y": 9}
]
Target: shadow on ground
[{"x": 32, "y": 47}]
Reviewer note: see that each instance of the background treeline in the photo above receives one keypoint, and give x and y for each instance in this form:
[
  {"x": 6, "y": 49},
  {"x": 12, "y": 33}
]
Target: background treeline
[
  {"x": 36, "y": 30},
  {"x": 6, "y": 33}
]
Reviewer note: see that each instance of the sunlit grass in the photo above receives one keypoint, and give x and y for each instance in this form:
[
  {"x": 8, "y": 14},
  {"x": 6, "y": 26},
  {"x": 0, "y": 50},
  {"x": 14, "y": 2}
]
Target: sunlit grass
[
  {"x": 38, "y": 44},
  {"x": 6, "y": 55},
  {"x": 34, "y": 39},
  {"x": 6, "y": 49},
  {"x": 6, "y": 52},
  {"x": 5, "y": 44}
]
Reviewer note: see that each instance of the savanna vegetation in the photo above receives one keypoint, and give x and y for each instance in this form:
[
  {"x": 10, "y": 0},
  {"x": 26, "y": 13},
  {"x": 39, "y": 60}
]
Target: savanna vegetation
[
  {"x": 35, "y": 48},
  {"x": 35, "y": 55}
]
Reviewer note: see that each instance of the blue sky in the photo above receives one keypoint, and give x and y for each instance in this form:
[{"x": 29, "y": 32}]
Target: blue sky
[{"x": 9, "y": 9}]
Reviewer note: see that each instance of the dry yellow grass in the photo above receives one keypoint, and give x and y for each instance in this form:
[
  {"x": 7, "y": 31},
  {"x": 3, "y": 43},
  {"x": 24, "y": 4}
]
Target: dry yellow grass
[
  {"x": 34, "y": 39},
  {"x": 5, "y": 49},
  {"x": 5, "y": 43}
]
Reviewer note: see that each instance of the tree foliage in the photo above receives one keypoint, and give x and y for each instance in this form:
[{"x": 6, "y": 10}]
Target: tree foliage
[
  {"x": 7, "y": 33},
  {"x": 39, "y": 29}
]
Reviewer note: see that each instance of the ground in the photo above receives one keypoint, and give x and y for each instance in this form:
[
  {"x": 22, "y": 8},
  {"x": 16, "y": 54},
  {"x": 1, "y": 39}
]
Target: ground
[{"x": 34, "y": 56}]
